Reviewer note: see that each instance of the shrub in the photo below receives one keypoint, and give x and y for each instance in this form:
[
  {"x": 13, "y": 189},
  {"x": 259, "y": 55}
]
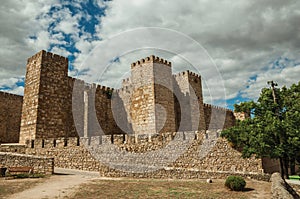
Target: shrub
[
  {"x": 235, "y": 183},
  {"x": 22, "y": 175},
  {"x": 37, "y": 175},
  {"x": 26, "y": 175}
]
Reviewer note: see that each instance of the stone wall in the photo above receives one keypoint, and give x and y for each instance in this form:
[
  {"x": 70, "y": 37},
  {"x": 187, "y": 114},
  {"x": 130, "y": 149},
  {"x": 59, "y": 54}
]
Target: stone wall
[
  {"x": 202, "y": 152},
  {"x": 179, "y": 173},
  {"x": 218, "y": 117},
  {"x": 181, "y": 155},
  {"x": 42, "y": 165},
  {"x": 279, "y": 187},
  {"x": 13, "y": 148},
  {"x": 10, "y": 117},
  {"x": 241, "y": 115}
]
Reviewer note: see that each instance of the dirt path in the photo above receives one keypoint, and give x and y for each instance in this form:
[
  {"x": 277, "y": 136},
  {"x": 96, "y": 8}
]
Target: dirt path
[
  {"x": 262, "y": 189},
  {"x": 66, "y": 182},
  {"x": 62, "y": 184}
]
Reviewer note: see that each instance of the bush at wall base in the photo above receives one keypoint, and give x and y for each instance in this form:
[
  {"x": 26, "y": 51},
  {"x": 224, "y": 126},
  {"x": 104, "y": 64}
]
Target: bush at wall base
[{"x": 235, "y": 183}]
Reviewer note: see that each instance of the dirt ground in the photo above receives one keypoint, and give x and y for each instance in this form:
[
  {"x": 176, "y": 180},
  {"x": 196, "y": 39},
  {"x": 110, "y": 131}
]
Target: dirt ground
[{"x": 70, "y": 184}]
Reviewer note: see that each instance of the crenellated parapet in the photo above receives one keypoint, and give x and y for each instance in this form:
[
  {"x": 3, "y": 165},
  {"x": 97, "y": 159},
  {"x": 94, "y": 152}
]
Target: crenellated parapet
[
  {"x": 187, "y": 72},
  {"x": 151, "y": 59},
  {"x": 104, "y": 88},
  {"x": 121, "y": 139},
  {"x": 218, "y": 117},
  {"x": 47, "y": 55},
  {"x": 210, "y": 106},
  {"x": 10, "y": 95}
]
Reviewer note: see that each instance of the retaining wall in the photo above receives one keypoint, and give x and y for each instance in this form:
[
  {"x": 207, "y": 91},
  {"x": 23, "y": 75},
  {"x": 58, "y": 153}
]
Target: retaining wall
[{"x": 42, "y": 165}]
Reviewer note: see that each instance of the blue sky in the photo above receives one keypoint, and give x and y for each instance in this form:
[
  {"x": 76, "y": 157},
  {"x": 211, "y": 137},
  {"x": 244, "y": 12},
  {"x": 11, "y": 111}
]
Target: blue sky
[{"x": 248, "y": 42}]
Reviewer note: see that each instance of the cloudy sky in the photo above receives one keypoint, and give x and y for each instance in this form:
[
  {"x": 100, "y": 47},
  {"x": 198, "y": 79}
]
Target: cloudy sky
[{"x": 245, "y": 43}]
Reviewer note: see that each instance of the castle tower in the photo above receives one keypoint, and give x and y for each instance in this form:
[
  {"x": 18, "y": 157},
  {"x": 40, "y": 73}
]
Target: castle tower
[
  {"x": 44, "y": 105},
  {"x": 189, "y": 109},
  {"x": 152, "y": 101}
]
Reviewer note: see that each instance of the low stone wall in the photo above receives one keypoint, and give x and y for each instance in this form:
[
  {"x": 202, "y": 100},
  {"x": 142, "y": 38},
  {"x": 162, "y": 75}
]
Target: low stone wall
[
  {"x": 278, "y": 188},
  {"x": 13, "y": 148},
  {"x": 42, "y": 165},
  {"x": 194, "y": 154},
  {"x": 182, "y": 173},
  {"x": 70, "y": 157}
]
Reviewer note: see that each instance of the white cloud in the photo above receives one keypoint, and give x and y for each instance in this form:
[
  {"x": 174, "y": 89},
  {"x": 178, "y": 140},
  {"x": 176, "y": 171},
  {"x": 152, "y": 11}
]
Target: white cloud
[
  {"x": 10, "y": 85},
  {"x": 242, "y": 37}
]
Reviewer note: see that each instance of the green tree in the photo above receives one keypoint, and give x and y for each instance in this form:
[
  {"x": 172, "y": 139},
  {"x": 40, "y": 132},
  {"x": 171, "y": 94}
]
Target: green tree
[{"x": 273, "y": 130}]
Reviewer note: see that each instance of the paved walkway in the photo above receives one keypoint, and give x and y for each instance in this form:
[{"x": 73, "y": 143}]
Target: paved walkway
[
  {"x": 59, "y": 185},
  {"x": 293, "y": 181}
]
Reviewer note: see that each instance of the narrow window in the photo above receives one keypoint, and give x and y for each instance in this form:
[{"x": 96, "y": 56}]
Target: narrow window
[{"x": 65, "y": 142}]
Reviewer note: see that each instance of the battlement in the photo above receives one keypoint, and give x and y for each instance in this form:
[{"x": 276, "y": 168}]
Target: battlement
[
  {"x": 118, "y": 139},
  {"x": 151, "y": 59},
  {"x": 127, "y": 80},
  {"x": 192, "y": 74},
  {"x": 88, "y": 86},
  {"x": 104, "y": 89},
  {"x": 187, "y": 72},
  {"x": 10, "y": 95},
  {"x": 48, "y": 55},
  {"x": 210, "y": 106}
]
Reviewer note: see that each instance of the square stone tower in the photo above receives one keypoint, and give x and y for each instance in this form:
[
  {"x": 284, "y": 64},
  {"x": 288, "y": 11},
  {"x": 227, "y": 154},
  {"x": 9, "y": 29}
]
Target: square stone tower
[
  {"x": 45, "y": 95},
  {"x": 189, "y": 109},
  {"x": 152, "y": 100}
]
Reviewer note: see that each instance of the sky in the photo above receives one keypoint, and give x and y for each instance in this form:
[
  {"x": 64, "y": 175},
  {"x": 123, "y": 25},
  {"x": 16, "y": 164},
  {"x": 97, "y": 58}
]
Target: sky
[{"x": 236, "y": 46}]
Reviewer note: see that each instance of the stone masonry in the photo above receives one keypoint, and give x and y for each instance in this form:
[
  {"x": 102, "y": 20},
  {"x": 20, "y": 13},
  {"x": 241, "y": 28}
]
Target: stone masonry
[
  {"x": 10, "y": 117},
  {"x": 92, "y": 127},
  {"x": 152, "y": 100}
]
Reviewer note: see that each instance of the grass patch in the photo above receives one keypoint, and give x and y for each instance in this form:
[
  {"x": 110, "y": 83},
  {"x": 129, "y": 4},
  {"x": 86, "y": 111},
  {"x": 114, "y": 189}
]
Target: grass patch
[
  {"x": 151, "y": 188},
  {"x": 294, "y": 177}
]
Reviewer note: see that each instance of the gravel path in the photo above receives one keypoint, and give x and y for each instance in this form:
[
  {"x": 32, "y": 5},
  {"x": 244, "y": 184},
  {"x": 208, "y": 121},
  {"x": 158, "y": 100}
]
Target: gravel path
[{"x": 59, "y": 185}]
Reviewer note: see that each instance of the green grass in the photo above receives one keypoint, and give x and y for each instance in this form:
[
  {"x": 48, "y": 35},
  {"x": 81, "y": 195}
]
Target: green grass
[{"x": 294, "y": 177}]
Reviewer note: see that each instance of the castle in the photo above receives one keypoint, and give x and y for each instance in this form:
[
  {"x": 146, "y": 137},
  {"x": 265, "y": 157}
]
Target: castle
[
  {"x": 59, "y": 115},
  {"x": 47, "y": 102}
]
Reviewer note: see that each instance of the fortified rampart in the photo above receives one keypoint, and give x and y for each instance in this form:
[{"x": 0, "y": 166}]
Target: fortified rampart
[
  {"x": 151, "y": 100},
  {"x": 113, "y": 155},
  {"x": 155, "y": 124},
  {"x": 218, "y": 117}
]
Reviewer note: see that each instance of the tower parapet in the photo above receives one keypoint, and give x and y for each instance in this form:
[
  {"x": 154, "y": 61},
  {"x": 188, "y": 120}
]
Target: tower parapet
[{"x": 151, "y": 59}]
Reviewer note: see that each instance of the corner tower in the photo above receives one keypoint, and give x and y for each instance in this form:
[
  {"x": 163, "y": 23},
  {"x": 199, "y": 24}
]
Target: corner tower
[
  {"x": 189, "y": 109},
  {"x": 152, "y": 101},
  {"x": 46, "y": 85}
]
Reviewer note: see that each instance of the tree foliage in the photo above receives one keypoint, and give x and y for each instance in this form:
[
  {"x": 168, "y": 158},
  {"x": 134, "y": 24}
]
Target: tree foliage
[{"x": 273, "y": 130}]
